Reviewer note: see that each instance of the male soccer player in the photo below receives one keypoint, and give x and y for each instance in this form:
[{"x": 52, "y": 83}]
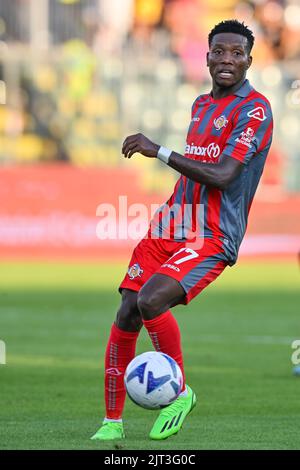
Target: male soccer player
[{"x": 227, "y": 144}]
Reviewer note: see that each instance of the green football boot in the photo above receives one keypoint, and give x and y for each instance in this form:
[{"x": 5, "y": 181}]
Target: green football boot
[
  {"x": 171, "y": 418},
  {"x": 109, "y": 431}
]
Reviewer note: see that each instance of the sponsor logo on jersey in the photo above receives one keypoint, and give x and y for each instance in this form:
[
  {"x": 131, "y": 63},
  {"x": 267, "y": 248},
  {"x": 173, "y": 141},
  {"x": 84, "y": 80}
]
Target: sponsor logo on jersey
[
  {"x": 171, "y": 266},
  {"x": 212, "y": 150},
  {"x": 220, "y": 122},
  {"x": 135, "y": 271},
  {"x": 246, "y": 138},
  {"x": 257, "y": 113}
]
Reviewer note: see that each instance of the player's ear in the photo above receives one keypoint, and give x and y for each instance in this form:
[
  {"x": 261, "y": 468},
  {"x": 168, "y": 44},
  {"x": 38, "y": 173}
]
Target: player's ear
[
  {"x": 249, "y": 61},
  {"x": 207, "y": 58}
]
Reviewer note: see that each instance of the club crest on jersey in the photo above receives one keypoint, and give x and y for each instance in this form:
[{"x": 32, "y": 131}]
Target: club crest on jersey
[
  {"x": 220, "y": 122},
  {"x": 257, "y": 113},
  {"x": 135, "y": 271}
]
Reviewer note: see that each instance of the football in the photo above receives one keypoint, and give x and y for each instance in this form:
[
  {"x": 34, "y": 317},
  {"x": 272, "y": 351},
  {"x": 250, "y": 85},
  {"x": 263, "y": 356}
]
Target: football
[{"x": 153, "y": 380}]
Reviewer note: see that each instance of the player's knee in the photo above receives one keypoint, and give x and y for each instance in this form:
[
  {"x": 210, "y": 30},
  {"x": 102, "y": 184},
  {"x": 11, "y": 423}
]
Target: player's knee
[
  {"x": 129, "y": 320},
  {"x": 128, "y": 316},
  {"x": 148, "y": 305}
]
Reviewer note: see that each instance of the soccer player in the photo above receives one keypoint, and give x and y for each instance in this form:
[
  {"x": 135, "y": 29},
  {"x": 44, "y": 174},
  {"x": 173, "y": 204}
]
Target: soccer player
[{"x": 226, "y": 148}]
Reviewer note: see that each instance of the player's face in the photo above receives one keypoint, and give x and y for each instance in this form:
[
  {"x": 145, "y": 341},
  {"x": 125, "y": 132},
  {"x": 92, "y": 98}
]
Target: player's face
[{"x": 228, "y": 59}]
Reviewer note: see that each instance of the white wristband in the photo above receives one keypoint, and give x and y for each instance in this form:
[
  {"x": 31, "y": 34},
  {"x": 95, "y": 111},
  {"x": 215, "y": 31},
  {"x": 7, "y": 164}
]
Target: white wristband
[{"x": 164, "y": 154}]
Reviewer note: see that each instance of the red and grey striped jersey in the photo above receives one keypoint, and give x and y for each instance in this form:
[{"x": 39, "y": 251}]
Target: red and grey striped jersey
[{"x": 238, "y": 126}]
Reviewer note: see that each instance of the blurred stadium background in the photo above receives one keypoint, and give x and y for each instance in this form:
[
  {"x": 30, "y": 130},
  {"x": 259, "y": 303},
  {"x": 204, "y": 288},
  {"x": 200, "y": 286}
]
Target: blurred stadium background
[{"x": 76, "y": 76}]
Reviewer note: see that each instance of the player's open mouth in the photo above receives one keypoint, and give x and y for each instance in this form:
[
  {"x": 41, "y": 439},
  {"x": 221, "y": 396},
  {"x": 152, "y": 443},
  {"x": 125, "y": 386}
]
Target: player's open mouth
[{"x": 225, "y": 74}]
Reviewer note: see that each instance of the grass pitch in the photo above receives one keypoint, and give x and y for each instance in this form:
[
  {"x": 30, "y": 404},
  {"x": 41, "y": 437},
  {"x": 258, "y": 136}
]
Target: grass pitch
[{"x": 55, "y": 320}]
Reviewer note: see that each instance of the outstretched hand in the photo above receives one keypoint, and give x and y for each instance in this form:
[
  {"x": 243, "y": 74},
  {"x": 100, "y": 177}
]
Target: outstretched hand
[{"x": 141, "y": 144}]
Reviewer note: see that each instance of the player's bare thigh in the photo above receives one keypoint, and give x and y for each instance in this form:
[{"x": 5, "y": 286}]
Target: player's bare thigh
[{"x": 160, "y": 293}]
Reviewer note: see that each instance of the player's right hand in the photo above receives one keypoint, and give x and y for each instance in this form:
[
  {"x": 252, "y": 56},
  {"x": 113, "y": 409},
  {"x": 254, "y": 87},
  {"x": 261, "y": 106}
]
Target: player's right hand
[{"x": 138, "y": 143}]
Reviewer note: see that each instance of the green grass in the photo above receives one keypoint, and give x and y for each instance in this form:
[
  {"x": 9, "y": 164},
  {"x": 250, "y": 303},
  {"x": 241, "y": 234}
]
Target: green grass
[{"x": 55, "y": 321}]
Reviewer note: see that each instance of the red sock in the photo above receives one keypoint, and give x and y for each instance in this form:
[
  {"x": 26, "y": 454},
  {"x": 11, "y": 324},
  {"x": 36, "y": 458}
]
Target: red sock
[
  {"x": 120, "y": 351},
  {"x": 165, "y": 336}
]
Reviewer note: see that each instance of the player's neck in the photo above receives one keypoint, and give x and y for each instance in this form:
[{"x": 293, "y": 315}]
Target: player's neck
[{"x": 221, "y": 92}]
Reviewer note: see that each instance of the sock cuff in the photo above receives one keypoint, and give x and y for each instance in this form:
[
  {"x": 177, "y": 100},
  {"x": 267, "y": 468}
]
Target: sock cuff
[
  {"x": 159, "y": 320},
  {"x": 122, "y": 334},
  {"x": 112, "y": 420}
]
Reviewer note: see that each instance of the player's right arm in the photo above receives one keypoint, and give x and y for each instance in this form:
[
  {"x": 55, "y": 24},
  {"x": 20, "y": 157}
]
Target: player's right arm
[
  {"x": 237, "y": 151},
  {"x": 218, "y": 175}
]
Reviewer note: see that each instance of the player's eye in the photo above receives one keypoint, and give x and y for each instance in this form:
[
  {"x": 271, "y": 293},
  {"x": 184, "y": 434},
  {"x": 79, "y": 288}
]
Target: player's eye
[
  {"x": 237, "y": 53},
  {"x": 218, "y": 51}
]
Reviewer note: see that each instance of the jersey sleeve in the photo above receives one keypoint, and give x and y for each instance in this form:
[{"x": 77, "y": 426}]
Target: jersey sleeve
[
  {"x": 252, "y": 131},
  {"x": 194, "y": 106}
]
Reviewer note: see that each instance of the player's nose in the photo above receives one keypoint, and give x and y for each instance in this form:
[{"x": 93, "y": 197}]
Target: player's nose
[{"x": 227, "y": 58}]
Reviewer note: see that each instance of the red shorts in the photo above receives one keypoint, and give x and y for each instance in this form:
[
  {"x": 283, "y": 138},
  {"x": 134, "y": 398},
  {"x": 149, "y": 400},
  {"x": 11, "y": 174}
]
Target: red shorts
[{"x": 194, "y": 268}]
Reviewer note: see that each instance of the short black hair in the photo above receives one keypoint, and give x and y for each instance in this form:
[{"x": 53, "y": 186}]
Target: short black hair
[{"x": 233, "y": 26}]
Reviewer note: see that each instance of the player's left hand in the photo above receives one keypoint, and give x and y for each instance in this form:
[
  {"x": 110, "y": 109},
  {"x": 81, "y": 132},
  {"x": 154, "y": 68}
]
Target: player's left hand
[{"x": 141, "y": 144}]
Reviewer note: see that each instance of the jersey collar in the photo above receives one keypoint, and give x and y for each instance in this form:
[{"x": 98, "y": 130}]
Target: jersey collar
[{"x": 244, "y": 90}]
